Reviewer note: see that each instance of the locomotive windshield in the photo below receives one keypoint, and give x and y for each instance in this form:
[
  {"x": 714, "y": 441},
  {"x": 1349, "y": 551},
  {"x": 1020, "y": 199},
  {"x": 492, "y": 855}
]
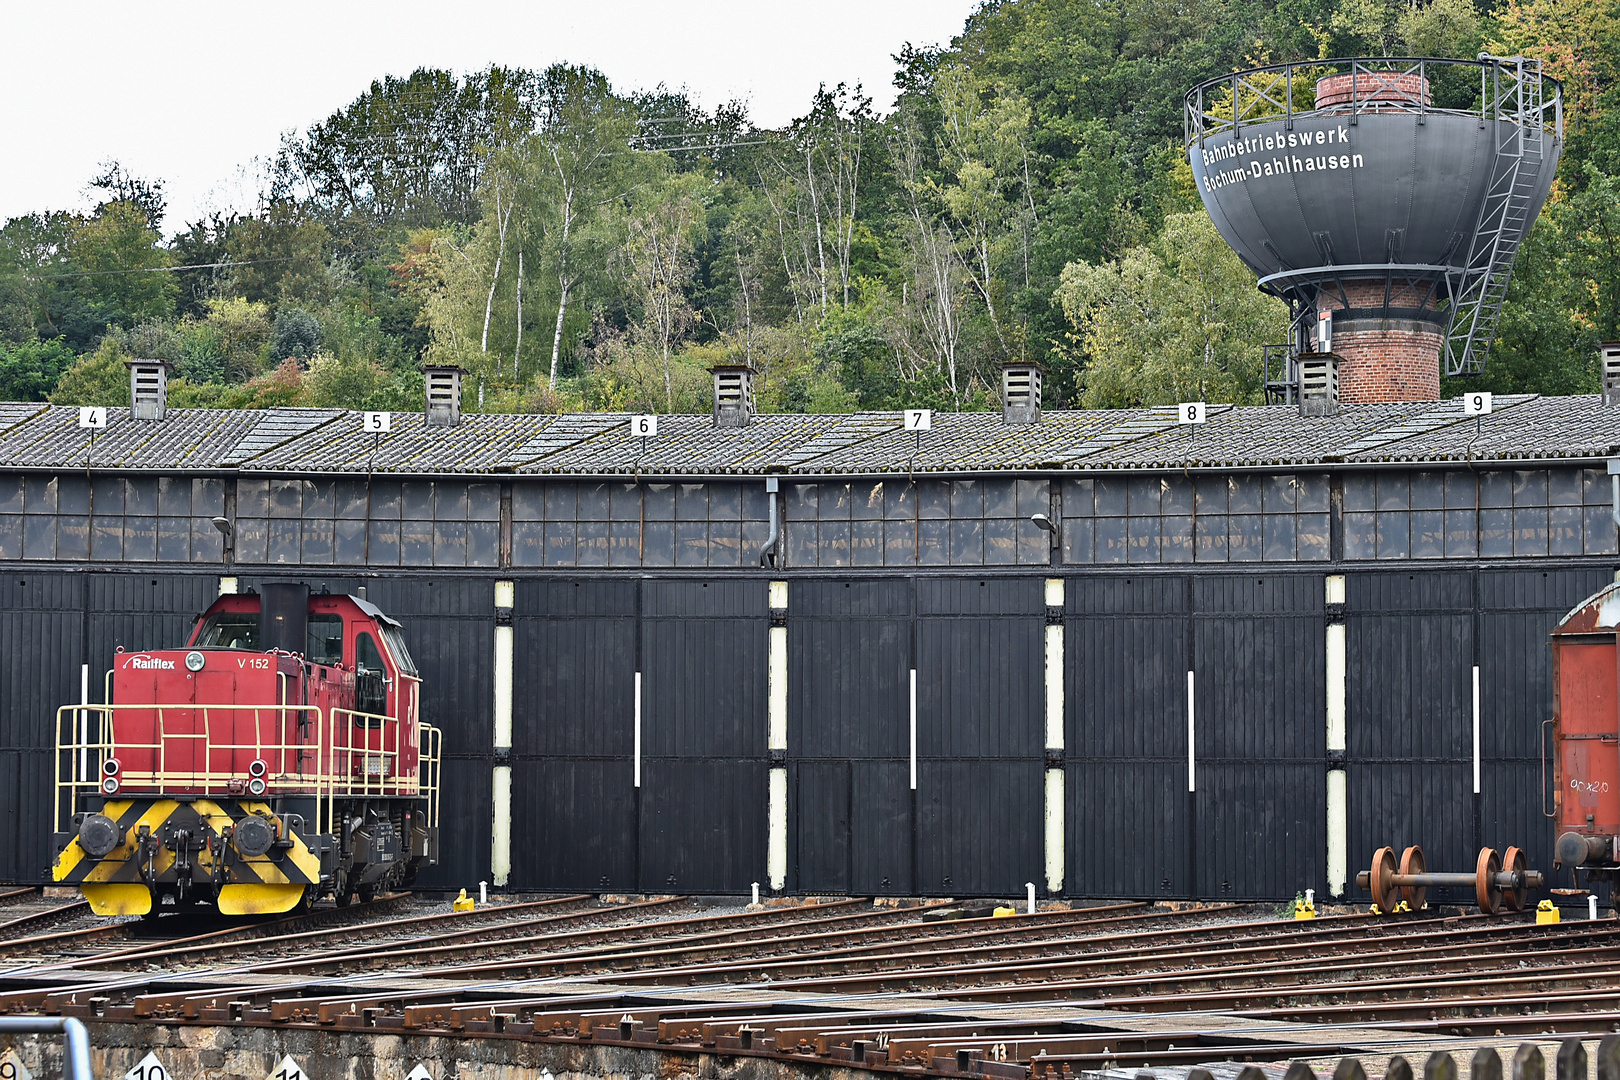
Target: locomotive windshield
[
  {"x": 396, "y": 645},
  {"x": 230, "y": 630}
]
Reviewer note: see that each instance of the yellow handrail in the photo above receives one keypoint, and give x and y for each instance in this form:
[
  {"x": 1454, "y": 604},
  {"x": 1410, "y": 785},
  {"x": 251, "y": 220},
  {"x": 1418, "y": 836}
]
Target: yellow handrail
[{"x": 341, "y": 737}]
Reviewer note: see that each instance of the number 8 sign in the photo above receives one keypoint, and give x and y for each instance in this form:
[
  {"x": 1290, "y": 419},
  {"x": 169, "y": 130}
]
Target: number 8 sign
[{"x": 1191, "y": 412}]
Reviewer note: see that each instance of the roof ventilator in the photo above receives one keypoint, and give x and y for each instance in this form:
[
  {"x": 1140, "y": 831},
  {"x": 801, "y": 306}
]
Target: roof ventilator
[
  {"x": 1318, "y": 384},
  {"x": 443, "y": 395},
  {"x": 1020, "y": 393},
  {"x": 733, "y": 395},
  {"x": 1609, "y": 353},
  {"x": 148, "y": 388}
]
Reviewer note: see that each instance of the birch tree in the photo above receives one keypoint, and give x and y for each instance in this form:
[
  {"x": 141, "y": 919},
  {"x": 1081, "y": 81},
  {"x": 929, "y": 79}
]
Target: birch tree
[
  {"x": 657, "y": 260},
  {"x": 576, "y": 163}
]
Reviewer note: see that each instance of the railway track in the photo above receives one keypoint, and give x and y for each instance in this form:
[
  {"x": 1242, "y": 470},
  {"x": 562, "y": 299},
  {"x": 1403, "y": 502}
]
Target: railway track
[{"x": 887, "y": 989}]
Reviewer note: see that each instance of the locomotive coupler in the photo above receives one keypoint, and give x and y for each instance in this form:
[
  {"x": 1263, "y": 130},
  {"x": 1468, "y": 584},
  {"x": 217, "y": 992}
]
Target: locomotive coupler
[{"x": 147, "y": 845}]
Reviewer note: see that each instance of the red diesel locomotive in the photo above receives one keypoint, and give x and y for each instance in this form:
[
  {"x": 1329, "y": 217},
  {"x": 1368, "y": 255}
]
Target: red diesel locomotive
[{"x": 278, "y": 757}]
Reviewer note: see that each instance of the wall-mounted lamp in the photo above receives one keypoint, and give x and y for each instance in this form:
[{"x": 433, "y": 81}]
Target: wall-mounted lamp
[{"x": 1047, "y": 524}]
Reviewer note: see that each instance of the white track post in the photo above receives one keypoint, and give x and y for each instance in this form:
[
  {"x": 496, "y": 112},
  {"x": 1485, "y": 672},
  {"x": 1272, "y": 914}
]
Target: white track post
[
  {"x": 776, "y": 738},
  {"x": 501, "y": 782},
  {"x": 1054, "y": 740},
  {"x": 1338, "y": 859}
]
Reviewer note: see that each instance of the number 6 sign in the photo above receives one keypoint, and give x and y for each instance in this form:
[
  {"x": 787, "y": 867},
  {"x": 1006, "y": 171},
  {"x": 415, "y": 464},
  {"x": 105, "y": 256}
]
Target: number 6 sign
[{"x": 1191, "y": 412}]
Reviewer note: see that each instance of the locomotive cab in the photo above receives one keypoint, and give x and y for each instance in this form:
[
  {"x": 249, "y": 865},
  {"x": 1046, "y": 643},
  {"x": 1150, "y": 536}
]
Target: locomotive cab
[{"x": 277, "y": 757}]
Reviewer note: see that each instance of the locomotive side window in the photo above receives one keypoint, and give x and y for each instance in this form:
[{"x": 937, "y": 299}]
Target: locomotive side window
[
  {"x": 370, "y": 692},
  {"x": 230, "y": 630},
  {"x": 325, "y": 639}
]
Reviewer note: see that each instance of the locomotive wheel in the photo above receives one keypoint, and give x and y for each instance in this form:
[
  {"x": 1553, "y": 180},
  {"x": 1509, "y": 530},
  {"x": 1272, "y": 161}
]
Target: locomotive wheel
[
  {"x": 1486, "y": 891},
  {"x": 1412, "y": 863},
  {"x": 368, "y": 893},
  {"x": 1513, "y": 861},
  {"x": 1384, "y": 892}
]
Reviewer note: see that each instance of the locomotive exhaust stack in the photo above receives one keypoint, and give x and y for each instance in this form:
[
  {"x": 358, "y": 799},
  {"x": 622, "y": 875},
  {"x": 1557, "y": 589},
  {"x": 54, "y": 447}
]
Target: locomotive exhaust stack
[{"x": 276, "y": 757}]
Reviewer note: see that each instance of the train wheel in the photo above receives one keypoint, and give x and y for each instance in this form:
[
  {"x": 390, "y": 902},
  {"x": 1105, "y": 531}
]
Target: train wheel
[
  {"x": 1513, "y": 861},
  {"x": 1383, "y": 890},
  {"x": 368, "y": 893},
  {"x": 1412, "y": 863},
  {"x": 1486, "y": 891}
]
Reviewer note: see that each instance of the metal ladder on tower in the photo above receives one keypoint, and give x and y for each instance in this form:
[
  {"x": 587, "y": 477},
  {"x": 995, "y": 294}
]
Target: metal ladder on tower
[{"x": 1519, "y": 153}]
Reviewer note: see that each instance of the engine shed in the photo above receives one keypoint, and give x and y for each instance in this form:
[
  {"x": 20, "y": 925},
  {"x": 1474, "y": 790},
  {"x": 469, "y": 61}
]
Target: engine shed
[{"x": 1106, "y": 652}]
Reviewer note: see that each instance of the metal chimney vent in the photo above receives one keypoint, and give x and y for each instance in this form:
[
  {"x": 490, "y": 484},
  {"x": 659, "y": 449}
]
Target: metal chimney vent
[
  {"x": 1318, "y": 384},
  {"x": 148, "y": 388},
  {"x": 733, "y": 395},
  {"x": 1020, "y": 393},
  {"x": 1609, "y": 354},
  {"x": 443, "y": 395}
]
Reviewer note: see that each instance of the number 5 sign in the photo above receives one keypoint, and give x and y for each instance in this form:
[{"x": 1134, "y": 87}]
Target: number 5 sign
[
  {"x": 1191, "y": 412},
  {"x": 379, "y": 422}
]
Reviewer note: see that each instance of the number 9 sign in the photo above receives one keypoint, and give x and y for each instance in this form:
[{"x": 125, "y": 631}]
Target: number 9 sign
[
  {"x": 1191, "y": 412},
  {"x": 1477, "y": 403},
  {"x": 12, "y": 1068}
]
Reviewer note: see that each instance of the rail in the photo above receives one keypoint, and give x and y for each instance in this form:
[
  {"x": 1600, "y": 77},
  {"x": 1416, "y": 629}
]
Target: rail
[
  {"x": 236, "y": 751},
  {"x": 1511, "y": 89}
]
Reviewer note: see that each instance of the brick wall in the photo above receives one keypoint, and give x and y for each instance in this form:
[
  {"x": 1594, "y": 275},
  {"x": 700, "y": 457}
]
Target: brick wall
[
  {"x": 1384, "y": 365},
  {"x": 1407, "y": 89},
  {"x": 1388, "y": 365}
]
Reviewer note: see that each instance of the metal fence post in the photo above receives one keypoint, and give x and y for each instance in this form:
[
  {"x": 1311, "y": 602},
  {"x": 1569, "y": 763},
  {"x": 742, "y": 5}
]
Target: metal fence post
[{"x": 76, "y": 1049}]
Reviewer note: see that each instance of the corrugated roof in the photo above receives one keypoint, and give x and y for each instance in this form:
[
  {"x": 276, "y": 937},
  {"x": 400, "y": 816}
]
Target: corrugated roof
[{"x": 330, "y": 441}]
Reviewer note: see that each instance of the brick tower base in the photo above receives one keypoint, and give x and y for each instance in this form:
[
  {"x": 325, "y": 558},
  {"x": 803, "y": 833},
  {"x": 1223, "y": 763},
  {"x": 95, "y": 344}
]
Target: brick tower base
[{"x": 1384, "y": 358}]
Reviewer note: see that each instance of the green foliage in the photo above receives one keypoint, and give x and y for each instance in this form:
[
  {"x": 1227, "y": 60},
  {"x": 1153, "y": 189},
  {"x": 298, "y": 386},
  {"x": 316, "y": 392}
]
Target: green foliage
[
  {"x": 100, "y": 378},
  {"x": 29, "y": 370},
  {"x": 573, "y": 246},
  {"x": 297, "y": 334},
  {"x": 1176, "y": 319}
]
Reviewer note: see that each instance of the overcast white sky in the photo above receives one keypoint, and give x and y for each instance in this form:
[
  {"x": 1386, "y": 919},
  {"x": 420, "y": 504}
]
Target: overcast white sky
[{"x": 192, "y": 92}]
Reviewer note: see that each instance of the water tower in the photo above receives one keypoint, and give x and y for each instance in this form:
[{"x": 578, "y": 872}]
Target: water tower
[{"x": 1384, "y": 200}]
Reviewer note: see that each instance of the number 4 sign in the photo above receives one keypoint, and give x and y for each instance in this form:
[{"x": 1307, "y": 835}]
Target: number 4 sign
[
  {"x": 148, "y": 1068},
  {"x": 287, "y": 1069}
]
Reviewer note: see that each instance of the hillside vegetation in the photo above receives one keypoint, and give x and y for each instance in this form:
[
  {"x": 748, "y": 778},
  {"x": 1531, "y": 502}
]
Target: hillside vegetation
[{"x": 576, "y": 245}]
